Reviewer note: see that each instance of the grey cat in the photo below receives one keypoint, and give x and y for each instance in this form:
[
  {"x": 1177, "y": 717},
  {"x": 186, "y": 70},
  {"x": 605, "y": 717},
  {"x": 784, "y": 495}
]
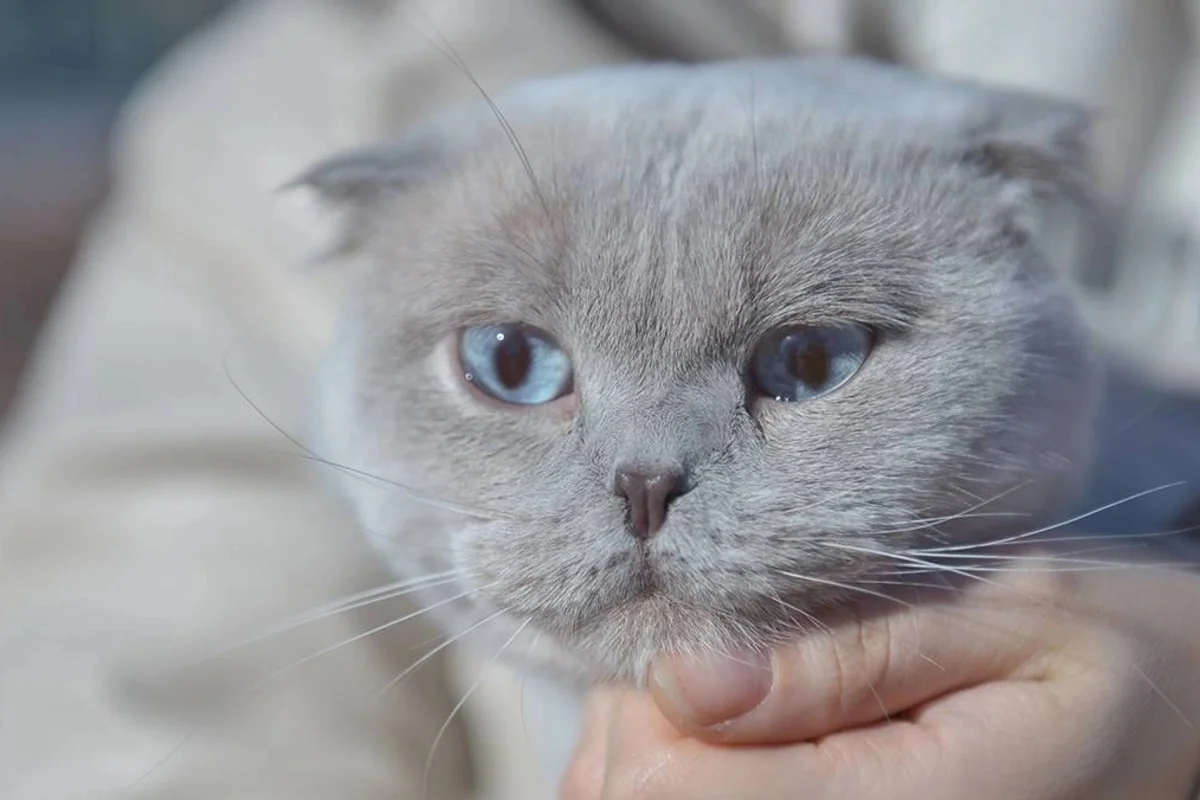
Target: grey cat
[{"x": 683, "y": 357}]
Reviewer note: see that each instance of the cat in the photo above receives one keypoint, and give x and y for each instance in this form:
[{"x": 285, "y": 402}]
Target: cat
[{"x": 681, "y": 357}]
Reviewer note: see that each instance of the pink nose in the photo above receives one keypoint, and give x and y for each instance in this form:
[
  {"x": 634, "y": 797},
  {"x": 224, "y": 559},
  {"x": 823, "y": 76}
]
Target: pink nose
[{"x": 648, "y": 493}]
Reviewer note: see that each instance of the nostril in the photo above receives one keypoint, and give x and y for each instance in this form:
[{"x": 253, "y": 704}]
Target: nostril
[{"x": 648, "y": 494}]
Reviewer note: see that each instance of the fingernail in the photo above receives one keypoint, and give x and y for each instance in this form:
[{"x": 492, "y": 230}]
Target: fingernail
[{"x": 708, "y": 691}]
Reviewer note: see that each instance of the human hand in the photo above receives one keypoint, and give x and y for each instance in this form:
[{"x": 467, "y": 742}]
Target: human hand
[{"x": 1033, "y": 683}]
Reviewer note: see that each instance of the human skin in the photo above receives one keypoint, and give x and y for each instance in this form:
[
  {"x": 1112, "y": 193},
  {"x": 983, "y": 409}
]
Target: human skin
[{"x": 1039, "y": 681}]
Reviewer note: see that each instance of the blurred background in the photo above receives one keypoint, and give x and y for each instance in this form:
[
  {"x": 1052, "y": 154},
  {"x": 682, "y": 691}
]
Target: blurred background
[{"x": 65, "y": 67}]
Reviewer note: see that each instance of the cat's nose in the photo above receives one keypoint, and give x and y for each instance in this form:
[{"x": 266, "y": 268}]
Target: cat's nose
[{"x": 648, "y": 493}]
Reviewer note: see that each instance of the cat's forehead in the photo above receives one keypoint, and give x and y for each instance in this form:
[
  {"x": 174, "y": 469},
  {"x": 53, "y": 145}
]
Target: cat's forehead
[
  {"x": 692, "y": 239},
  {"x": 684, "y": 207}
]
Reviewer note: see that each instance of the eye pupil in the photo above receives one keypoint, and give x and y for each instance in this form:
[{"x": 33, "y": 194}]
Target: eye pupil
[
  {"x": 515, "y": 364},
  {"x": 810, "y": 364},
  {"x": 513, "y": 358},
  {"x": 804, "y": 362}
]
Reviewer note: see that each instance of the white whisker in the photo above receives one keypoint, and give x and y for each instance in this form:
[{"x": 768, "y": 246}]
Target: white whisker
[
  {"x": 439, "y": 648},
  {"x": 358, "y": 637},
  {"x": 1071, "y": 521},
  {"x": 1017, "y": 559},
  {"x": 1090, "y": 537},
  {"x": 931, "y": 566},
  {"x": 307, "y": 453},
  {"x": 458, "y": 706},
  {"x": 966, "y": 513},
  {"x": 807, "y": 615},
  {"x": 845, "y": 586},
  {"x": 379, "y": 594},
  {"x": 930, "y": 522},
  {"x": 1154, "y": 687}
]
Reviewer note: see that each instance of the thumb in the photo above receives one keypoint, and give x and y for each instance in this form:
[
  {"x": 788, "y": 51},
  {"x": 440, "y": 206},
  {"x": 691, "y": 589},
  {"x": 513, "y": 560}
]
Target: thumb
[{"x": 860, "y": 673}]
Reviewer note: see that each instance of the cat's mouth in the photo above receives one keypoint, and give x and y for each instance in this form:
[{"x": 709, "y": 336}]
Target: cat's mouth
[{"x": 645, "y": 578}]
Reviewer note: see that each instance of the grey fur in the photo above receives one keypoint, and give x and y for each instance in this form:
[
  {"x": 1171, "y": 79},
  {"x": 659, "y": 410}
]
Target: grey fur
[{"x": 659, "y": 221}]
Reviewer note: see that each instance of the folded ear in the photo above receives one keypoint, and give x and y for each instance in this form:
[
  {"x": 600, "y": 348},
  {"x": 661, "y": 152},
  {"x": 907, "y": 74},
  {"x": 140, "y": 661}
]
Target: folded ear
[
  {"x": 1038, "y": 143},
  {"x": 352, "y": 184}
]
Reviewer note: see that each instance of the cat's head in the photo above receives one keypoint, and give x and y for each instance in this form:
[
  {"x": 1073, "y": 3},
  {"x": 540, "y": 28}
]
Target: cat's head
[{"x": 675, "y": 357}]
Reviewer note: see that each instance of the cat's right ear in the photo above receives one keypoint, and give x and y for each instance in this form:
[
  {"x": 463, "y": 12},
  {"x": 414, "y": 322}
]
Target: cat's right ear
[{"x": 351, "y": 186}]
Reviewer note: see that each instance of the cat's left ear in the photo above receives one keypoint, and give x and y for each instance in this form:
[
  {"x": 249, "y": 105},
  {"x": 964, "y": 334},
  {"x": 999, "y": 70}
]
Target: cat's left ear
[{"x": 1040, "y": 144}]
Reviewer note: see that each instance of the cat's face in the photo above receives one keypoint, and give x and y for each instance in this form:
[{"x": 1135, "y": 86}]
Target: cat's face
[{"x": 733, "y": 335}]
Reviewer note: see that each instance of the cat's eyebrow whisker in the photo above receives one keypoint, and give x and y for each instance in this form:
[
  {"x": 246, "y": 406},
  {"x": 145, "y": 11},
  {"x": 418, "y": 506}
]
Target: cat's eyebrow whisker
[
  {"x": 346, "y": 604},
  {"x": 365, "y": 634},
  {"x": 1071, "y": 521},
  {"x": 447, "y": 50},
  {"x": 435, "y": 650},
  {"x": 463, "y": 701}
]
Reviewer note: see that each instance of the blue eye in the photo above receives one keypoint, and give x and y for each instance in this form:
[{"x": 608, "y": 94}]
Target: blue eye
[
  {"x": 801, "y": 362},
  {"x": 515, "y": 364}
]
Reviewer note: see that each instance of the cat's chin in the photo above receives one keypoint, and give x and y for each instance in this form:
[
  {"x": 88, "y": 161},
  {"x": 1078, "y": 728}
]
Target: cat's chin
[
  {"x": 615, "y": 649},
  {"x": 619, "y": 646}
]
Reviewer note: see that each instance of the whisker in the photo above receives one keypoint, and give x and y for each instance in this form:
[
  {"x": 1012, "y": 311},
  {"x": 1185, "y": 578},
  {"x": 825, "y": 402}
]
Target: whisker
[
  {"x": 358, "y": 637},
  {"x": 1014, "y": 558},
  {"x": 1072, "y": 520},
  {"x": 966, "y": 513},
  {"x": 443, "y": 46},
  {"x": 911, "y": 584},
  {"x": 308, "y": 454},
  {"x": 975, "y": 572},
  {"x": 792, "y": 510},
  {"x": 971, "y": 573},
  {"x": 845, "y": 586},
  {"x": 462, "y": 702},
  {"x": 415, "y": 494},
  {"x": 355, "y": 601},
  {"x": 1093, "y": 537},
  {"x": 931, "y": 566},
  {"x": 828, "y": 631},
  {"x": 808, "y": 616},
  {"x": 258, "y": 686},
  {"x": 1171, "y": 704},
  {"x": 439, "y": 648},
  {"x": 930, "y": 522}
]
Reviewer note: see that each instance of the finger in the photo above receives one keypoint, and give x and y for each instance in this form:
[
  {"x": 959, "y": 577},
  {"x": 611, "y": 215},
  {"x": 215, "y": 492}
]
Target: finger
[
  {"x": 978, "y": 744},
  {"x": 584, "y": 777},
  {"x": 865, "y": 671}
]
